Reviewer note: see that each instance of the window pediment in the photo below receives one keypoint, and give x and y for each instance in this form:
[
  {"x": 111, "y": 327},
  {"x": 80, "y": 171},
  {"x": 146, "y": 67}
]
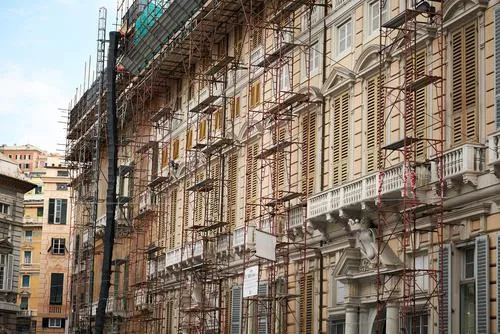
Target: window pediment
[{"x": 338, "y": 79}]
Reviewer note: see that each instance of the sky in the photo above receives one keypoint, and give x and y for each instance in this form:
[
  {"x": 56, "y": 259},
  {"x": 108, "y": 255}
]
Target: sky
[{"x": 45, "y": 44}]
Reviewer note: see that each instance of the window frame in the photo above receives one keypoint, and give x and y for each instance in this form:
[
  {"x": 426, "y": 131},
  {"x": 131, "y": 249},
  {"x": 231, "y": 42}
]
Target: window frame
[
  {"x": 59, "y": 208},
  {"x": 24, "y": 299},
  {"x": 23, "y": 281},
  {"x": 52, "y": 323},
  {"x": 25, "y": 257},
  {"x": 345, "y": 27},
  {"x": 4, "y": 208},
  {"x": 56, "y": 296},
  {"x": 374, "y": 25},
  {"x": 58, "y": 246},
  {"x": 28, "y": 238}
]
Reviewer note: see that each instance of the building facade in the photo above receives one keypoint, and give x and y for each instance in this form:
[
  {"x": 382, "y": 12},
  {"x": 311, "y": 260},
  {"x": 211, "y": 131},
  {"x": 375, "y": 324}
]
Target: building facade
[
  {"x": 44, "y": 272},
  {"x": 296, "y": 167},
  {"x": 28, "y": 157},
  {"x": 12, "y": 189}
]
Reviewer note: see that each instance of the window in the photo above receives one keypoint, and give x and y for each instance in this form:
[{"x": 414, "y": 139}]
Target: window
[
  {"x": 340, "y": 293},
  {"x": 62, "y": 173},
  {"x": 39, "y": 212},
  {"x": 422, "y": 278},
  {"x": 56, "y": 288},
  {"x": 38, "y": 190},
  {"x": 55, "y": 323},
  {"x": 464, "y": 84},
  {"x": 58, "y": 246},
  {"x": 4, "y": 208},
  {"x": 315, "y": 58},
  {"x": 27, "y": 257},
  {"x": 26, "y": 281},
  {"x": 28, "y": 236},
  {"x": 6, "y": 271},
  {"x": 313, "y": 16},
  {"x": 418, "y": 323},
  {"x": 284, "y": 84},
  {"x": 57, "y": 210},
  {"x": 468, "y": 292},
  {"x": 344, "y": 37},
  {"x": 24, "y": 303},
  {"x": 164, "y": 156},
  {"x": 336, "y": 326},
  {"x": 232, "y": 194},
  {"x": 374, "y": 15},
  {"x": 373, "y": 102},
  {"x": 255, "y": 94},
  {"x": 62, "y": 186},
  {"x": 217, "y": 119},
  {"x": 306, "y": 304}
]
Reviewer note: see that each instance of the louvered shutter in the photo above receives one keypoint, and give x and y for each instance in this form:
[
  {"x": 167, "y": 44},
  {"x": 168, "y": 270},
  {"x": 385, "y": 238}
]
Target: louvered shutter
[
  {"x": 10, "y": 271},
  {"x": 236, "y": 303},
  {"x": 173, "y": 220},
  {"x": 464, "y": 84},
  {"x": 185, "y": 214},
  {"x": 371, "y": 125},
  {"x": 52, "y": 203},
  {"x": 420, "y": 108},
  {"x": 281, "y": 164},
  {"x": 252, "y": 179},
  {"x": 497, "y": 70},
  {"x": 306, "y": 304},
  {"x": 498, "y": 289},
  {"x": 340, "y": 138},
  {"x": 262, "y": 309},
  {"x": 482, "y": 284},
  {"x": 169, "y": 315},
  {"x": 199, "y": 199},
  {"x": 308, "y": 153},
  {"x": 233, "y": 190},
  {"x": 215, "y": 193},
  {"x": 64, "y": 210},
  {"x": 445, "y": 265}
]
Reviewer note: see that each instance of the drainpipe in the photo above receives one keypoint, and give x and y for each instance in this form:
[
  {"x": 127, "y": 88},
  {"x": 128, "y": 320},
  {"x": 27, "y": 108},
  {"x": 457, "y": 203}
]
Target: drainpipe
[
  {"x": 320, "y": 301},
  {"x": 323, "y": 104}
]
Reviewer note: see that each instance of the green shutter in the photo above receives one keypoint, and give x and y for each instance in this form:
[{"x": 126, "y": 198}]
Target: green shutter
[
  {"x": 482, "y": 284},
  {"x": 236, "y": 303}
]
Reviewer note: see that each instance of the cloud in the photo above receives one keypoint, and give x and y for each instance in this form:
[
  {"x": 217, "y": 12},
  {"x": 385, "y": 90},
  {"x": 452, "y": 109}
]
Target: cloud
[{"x": 29, "y": 108}]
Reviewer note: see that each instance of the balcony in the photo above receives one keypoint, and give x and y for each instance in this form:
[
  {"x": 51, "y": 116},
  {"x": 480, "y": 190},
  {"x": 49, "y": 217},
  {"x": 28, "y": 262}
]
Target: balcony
[
  {"x": 223, "y": 244},
  {"x": 33, "y": 221},
  {"x": 296, "y": 219},
  {"x": 244, "y": 241},
  {"x": 355, "y": 194},
  {"x": 145, "y": 202},
  {"x": 55, "y": 309},
  {"x": 462, "y": 164},
  {"x": 30, "y": 267},
  {"x": 173, "y": 258},
  {"x": 26, "y": 313},
  {"x": 494, "y": 153}
]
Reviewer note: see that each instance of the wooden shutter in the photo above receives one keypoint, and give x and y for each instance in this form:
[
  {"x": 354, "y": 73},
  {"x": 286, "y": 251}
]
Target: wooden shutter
[
  {"x": 9, "y": 272},
  {"x": 497, "y": 73},
  {"x": 189, "y": 139},
  {"x": 306, "y": 304},
  {"x": 252, "y": 180},
  {"x": 257, "y": 38},
  {"x": 445, "y": 268},
  {"x": 464, "y": 84},
  {"x": 51, "y": 210},
  {"x": 279, "y": 177},
  {"x": 498, "y": 275},
  {"x": 262, "y": 309},
  {"x": 236, "y": 301},
  {"x": 175, "y": 149},
  {"x": 255, "y": 94},
  {"x": 215, "y": 193},
  {"x": 185, "y": 213},
  {"x": 482, "y": 284},
  {"x": 420, "y": 109},
  {"x": 217, "y": 119},
  {"x": 308, "y": 153},
  {"x": 64, "y": 210},
  {"x": 173, "y": 218},
  {"x": 162, "y": 221},
  {"x": 373, "y": 104},
  {"x": 202, "y": 130},
  {"x": 169, "y": 317},
  {"x": 341, "y": 135},
  {"x": 200, "y": 176},
  {"x": 164, "y": 156},
  {"x": 235, "y": 106},
  {"x": 233, "y": 190}
]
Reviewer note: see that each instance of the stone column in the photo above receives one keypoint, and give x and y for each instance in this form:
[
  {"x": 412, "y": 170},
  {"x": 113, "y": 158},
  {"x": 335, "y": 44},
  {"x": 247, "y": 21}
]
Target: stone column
[
  {"x": 392, "y": 318},
  {"x": 351, "y": 319},
  {"x": 363, "y": 319}
]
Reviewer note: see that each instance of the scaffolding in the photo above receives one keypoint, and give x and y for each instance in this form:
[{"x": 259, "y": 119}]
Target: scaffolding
[
  {"x": 180, "y": 256},
  {"x": 410, "y": 95}
]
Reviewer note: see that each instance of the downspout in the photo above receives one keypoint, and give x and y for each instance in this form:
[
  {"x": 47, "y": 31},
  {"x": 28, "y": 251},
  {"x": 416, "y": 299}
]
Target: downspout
[
  {"x": 109, "y": 230},
  {"x": 320, "y": 301}
]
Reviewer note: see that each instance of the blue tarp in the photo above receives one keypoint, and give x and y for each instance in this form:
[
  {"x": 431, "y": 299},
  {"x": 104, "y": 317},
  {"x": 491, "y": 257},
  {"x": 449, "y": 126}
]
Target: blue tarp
[{"x": 146, "y": 20}]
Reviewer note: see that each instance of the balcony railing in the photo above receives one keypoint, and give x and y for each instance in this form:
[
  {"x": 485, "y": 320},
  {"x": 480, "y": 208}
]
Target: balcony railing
[
  {"x": 55, "y": 309},
  {"x": 242, "y": 240},
  {"x": 466, "y": 162},
  {"x": 26, "y": 313},
  {"x": 33, "y": 220},
  {"x": 173, "y": 257},
  {"x": 494, "y": 149},
  {"x": 296, "y": 220},
  {"x": 362, "y": 190}
]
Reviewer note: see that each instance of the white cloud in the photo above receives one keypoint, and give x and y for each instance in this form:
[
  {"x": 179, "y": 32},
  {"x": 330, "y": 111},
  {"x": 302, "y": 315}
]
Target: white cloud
[{"x": 29, "y": 108}]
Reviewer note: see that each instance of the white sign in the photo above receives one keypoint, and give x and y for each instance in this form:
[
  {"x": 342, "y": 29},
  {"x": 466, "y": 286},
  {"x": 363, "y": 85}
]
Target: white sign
[
  {"x": 251, "y": 281},
  {"x": 265, "y": 245}
]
